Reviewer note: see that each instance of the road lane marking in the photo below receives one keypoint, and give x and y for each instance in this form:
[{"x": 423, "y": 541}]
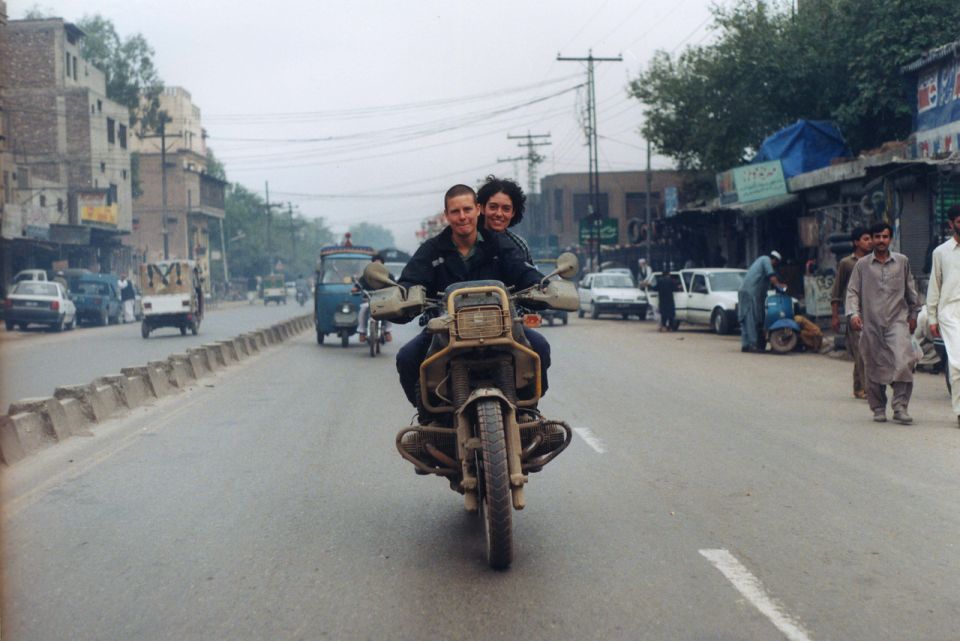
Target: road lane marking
[
  {"x": 591, "y": 439},
  {"x": 752, "y": 589}
]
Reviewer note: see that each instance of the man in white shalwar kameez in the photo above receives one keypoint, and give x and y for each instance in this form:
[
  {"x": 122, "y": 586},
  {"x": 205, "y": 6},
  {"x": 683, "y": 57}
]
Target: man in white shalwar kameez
[{"x": 943, "y": 302}]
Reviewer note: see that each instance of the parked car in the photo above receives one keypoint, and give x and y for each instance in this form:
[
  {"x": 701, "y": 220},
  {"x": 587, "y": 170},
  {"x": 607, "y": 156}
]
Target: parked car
[
  {"x": 39, "y": 302},
  {"x": 30, "y": 274},
  {"x": 705, "y": 296},
  {"x": 611, "y": 293},
  {"x": 97, "y": 297}
]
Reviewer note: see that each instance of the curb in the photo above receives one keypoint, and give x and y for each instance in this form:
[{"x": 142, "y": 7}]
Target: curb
[{"x": 32, "y": 424}]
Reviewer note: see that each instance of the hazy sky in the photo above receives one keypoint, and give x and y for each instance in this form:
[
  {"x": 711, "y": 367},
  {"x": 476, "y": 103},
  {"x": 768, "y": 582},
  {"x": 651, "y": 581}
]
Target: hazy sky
[{"x": 369, "y": 110}]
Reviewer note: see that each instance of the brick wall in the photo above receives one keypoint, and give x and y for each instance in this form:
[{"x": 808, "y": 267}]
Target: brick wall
[{"x": 29, "y": 51}]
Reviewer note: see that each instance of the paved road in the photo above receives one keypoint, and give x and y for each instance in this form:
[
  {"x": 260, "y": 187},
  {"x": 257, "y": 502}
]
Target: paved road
[
  {"x": 716, "y": 495},
  {"x": 34, "y": 362}
]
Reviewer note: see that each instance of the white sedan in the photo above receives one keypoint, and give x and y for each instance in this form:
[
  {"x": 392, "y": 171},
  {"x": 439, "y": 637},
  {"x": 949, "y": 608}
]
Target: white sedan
[
  {"x": 39, "y": 302},
  {"x": 611, "y": 293}
]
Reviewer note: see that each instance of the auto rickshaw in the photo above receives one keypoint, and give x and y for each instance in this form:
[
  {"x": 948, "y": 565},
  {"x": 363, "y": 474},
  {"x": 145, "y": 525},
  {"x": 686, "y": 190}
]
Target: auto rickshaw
[
  {"x": 172, "y": 296},
  {"x": 336, "y": 306},
  {"x": 274, "y": 289}
]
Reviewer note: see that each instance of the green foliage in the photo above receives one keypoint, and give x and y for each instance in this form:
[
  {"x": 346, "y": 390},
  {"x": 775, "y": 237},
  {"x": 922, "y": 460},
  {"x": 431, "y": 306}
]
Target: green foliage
[
  {"x": 295, "y": 241},
  {"x": 712, "y": 106},
  {"x": 376, "y": 236},
  {"x": 214, "y": 167},
  {"x": 37, "y": 12},
  {"x": 131, "y": 76}
]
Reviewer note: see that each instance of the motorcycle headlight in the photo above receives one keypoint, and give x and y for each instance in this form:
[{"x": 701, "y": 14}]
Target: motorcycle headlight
[
  {"x": 482, "y": 321},
  {"x": 345, "y": 309}
]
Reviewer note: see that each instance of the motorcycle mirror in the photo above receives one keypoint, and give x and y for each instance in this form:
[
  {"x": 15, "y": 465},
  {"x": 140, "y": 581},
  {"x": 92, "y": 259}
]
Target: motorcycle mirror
[
  {"x": 567, "y": 266},
  {"x": 377, "y": 276}
]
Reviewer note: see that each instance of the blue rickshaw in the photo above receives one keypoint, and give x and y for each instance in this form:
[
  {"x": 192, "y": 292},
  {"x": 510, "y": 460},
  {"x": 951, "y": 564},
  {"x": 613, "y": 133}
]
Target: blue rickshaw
[{"x": 336, "y": 306}]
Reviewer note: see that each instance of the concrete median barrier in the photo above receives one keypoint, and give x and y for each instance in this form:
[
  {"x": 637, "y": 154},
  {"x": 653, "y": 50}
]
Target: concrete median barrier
[{"x": 34, "y": 423}]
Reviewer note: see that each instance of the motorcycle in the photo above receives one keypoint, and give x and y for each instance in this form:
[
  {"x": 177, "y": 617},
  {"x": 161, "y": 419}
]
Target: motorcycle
[
  {"x": 376, "y": 336},
  {"x": 301, "y": 297},
  {"x": 479, "y": 389},
  {"x": 782, "y": 331}
]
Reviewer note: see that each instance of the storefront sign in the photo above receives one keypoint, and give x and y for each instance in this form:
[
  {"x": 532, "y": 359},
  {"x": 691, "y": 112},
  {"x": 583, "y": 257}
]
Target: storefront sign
[
  {"x": 751, "y": 183},
  {"x": 93, "y": 208},
  {"x": 608, "y": 227},
  {"x": 938, "y": 95}
]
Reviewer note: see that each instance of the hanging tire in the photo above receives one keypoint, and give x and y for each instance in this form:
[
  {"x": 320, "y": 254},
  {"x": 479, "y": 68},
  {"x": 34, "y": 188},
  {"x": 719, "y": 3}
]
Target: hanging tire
[
  {"x": 496, "y": 499},
  {"x": 783, "y": 340}
]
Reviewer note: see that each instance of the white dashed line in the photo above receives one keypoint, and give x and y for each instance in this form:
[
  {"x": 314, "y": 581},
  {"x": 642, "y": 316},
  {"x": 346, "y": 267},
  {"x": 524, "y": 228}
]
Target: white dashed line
[
  {"x": 591, "y": 439},
  {"x": 752, "y": 589}
]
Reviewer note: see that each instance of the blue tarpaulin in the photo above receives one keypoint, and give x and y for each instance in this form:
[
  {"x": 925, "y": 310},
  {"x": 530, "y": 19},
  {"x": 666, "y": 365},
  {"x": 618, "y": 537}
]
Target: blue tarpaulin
[{"x": 804, "y": 146}]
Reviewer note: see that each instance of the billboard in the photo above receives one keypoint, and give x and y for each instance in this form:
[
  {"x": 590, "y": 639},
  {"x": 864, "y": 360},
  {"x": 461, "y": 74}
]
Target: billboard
[
  {"x": 938, "y": 95},
  {"x": 92, "y": 208}
]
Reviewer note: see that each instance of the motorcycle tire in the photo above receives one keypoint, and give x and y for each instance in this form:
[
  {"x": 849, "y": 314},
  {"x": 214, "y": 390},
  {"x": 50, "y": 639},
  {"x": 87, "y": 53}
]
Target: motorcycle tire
[
  {"x": 783, "y": 341},
  {"x": 344, "y": 339},
  {"x": 496, "y": 500},
  {"x": 373, "y": 337}
]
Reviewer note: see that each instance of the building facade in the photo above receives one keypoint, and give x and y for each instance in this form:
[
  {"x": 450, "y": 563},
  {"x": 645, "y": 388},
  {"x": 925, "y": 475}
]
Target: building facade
[
  {"x": 192, "y": 220},
  {"x": 66, "y": 176}
]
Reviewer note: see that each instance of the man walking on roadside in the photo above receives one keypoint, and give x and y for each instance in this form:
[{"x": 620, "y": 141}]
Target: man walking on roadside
[
  {"x": 862, "y": 245},
  {"x": 883, "y": 304},
  {"x": 943, "y": 302},
  {"x": 750, "y": 299}
]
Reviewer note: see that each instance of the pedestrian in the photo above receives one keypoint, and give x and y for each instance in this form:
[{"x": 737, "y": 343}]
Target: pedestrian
[
  {"x": 644, "y": 274},
  {"x": 883, "y": 304},
  {"x": 665, "y": 287},
  {"x": 862, "y": 245},
  {"x": 127, "y": 297},
  {"x": 943, "y": 303},
  {"x": 750, "y": 300}
]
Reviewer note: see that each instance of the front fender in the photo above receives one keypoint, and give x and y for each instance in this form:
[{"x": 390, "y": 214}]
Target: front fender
[
  {"x": 785, "y": 323},
  {"x": 485, "y": 392}
]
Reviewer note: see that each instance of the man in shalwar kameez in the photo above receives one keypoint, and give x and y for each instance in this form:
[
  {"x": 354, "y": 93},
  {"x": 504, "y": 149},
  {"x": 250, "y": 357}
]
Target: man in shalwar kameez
[
  {"x": 883, "y": 304},
  {"x": 943, "y": 302}
]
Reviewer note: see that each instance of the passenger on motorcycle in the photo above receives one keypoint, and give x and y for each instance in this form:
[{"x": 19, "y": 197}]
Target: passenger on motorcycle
[
  {"x": 502, "y": 202},
  {"x": 460, "y": 253},
  {"x": 363, "y": 315}
]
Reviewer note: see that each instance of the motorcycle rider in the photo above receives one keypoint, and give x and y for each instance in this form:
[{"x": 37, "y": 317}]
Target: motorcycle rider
[
  {"x": 364, "y": 314},
  {"x": 461, "y": 252}
]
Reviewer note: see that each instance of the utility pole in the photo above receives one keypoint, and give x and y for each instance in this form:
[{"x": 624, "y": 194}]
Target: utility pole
[
  {"x": 162, "y": 135},
  {"x": 594, "y": 175},
  {"x": 649, "y": 217},
  {"x": 223, "y": 250},
  {"x": 514, "y": 160},
  {"x": 533, "y": 158},
  {"x": 269, "y": 225}
]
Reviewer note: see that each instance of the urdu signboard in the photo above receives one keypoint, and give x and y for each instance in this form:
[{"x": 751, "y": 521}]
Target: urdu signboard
[
  {"x": 751, "y": 183},
  {"x": 609, "y": 230}
]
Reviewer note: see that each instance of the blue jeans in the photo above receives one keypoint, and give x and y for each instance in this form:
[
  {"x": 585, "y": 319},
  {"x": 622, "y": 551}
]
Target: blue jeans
[{"x": 414, "y": 353}]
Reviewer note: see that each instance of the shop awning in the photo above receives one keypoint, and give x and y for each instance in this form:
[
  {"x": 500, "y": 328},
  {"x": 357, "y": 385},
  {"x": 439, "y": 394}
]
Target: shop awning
[{"x": 760, "y": 207}]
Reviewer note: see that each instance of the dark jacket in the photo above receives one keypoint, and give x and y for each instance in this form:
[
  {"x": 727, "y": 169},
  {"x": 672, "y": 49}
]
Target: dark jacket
[{"x": 437, "y": 264}]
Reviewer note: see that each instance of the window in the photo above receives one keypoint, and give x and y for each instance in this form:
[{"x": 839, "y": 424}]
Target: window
[
  {"x": 124, "y": 174},
  {"x": 99, "y": 106},
  {"x": 67, "y": 67},
  {"x": 112, "y": 196},
  {"x": 93, "y": 109},
  {"x": 6, "y": 186},
  {"x": 103, "y": 167},
  {"x": 60, "y": 205},
  {"x": 699, "y": 284},
  {"x": 43, "y": 200},
  {"x": 111, "y": 134},
  {"x": 581, "y": 206},
  {"x": 23, "y": 178},
  {"x": 75, "y": 76},
  {"x": 687, "y": 277},
  {"x": 122, "y": 134}
]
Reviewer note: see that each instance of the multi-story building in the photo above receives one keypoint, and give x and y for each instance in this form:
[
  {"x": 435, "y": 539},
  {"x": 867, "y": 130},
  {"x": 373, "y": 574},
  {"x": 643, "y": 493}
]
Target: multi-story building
[
  {"x": 563, "y": 208},
  {"x": 67, "y": 180},
  {"x": 194, "y": 209}
]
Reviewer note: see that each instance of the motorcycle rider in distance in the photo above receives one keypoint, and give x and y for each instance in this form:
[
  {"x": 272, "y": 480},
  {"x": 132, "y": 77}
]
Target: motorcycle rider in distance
[
  {"x": 461, "y": 252},
  {"x": 363, "y": 315}
]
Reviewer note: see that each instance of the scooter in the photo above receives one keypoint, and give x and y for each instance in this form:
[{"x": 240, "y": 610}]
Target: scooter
[{"x": 782, "y": 331}]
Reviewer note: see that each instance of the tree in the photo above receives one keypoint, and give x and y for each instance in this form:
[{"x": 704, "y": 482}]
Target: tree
[
  {"x": 371, "y": 234},
  {"x": 214, "y": 167},
  {"x": 131, "y": 76},
  {"x": 712, "y": 106}
]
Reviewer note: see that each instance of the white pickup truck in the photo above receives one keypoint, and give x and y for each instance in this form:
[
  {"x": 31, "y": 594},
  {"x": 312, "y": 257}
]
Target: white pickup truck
[{"x": 704, "y": 296}]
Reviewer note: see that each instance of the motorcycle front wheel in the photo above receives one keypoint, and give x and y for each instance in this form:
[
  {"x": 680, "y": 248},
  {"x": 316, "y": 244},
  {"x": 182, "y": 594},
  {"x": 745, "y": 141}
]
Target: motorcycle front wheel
[
  {"x": 496, "y": 500},
  {"x": 783, "y": 340},
  {"x": 373, "y": 337}
]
